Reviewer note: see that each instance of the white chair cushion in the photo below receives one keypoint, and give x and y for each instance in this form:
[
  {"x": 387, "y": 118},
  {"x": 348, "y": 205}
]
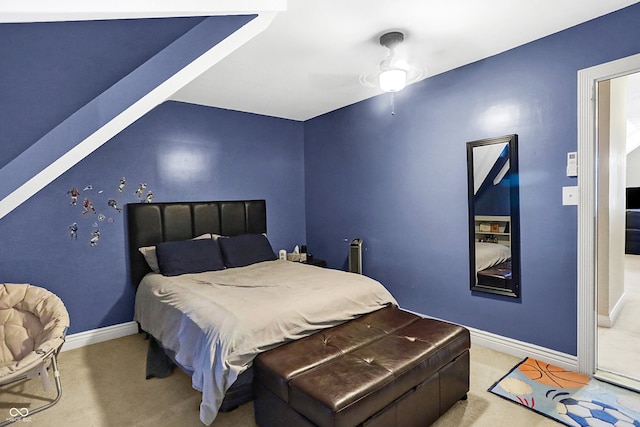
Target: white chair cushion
[{"x": 33, "y": 321}]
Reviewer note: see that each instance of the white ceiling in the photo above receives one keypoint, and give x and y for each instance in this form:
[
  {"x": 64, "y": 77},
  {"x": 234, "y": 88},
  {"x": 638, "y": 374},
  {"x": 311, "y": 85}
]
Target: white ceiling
[{"x": 308, "y": 62}]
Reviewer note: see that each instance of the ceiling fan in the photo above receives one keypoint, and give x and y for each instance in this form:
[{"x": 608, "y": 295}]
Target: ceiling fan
[{"x": 393, "y": 73}]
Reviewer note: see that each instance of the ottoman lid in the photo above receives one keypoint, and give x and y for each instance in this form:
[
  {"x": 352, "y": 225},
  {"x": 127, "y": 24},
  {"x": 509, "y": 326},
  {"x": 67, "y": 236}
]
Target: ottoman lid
[
  {"x": 275, "y": 368},
  {"x": 349, "y": 389}
]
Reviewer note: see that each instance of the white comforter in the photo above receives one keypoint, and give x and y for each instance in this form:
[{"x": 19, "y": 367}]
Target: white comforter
[
  {"x": 490, "y": 254},
  {"x": 217, "y": 322}
]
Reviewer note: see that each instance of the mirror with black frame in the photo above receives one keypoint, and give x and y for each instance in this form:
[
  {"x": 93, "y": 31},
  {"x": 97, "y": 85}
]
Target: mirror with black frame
[{"x": 494, "y": 215}]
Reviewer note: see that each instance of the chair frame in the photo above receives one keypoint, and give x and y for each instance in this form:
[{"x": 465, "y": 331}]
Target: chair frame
[
  {"x": 40, "y": 359},
  {"x": 53, "y": 355}
]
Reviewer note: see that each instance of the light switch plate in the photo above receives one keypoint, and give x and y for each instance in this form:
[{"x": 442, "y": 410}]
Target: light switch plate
[{"x": 570, "y": 195}]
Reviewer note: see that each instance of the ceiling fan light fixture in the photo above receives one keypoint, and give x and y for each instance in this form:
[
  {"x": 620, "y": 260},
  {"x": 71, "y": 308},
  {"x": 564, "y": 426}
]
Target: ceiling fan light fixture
[
  {"x": 393, "y": 73},
  {"x": 392, "y": 79},
  {"x": 391, "y": 39}
]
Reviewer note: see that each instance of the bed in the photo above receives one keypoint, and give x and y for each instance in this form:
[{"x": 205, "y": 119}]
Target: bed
[
  {"x": 493, "y": 265},
  {"x": 212, "y": 321}
]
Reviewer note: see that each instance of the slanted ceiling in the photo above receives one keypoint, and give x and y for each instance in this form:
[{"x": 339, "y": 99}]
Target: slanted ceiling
[{"x": 110, "y": 112}]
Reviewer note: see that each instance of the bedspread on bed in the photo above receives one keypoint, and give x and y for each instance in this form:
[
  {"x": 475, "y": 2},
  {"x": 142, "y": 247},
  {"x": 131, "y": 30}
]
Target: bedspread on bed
[
  {"x": 490, "y": 254},
  {"x": 231, "y": 315}
]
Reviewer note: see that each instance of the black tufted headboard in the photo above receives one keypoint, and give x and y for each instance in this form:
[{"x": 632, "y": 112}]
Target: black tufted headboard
[{"x": 152, "y": 223}]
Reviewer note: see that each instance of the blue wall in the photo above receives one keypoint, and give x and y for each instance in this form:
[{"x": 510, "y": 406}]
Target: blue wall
[
  {"x": 399, "y": 182},
  {"x": 51, "y": 69},
  {"x": 493, "y": 199},
  {"x": 182, "y": 152}
]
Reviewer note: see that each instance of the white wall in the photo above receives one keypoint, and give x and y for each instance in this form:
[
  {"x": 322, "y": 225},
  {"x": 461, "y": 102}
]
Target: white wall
[
  {"x": 633, "y": 168},
  {"x": 611, "y": 199}
]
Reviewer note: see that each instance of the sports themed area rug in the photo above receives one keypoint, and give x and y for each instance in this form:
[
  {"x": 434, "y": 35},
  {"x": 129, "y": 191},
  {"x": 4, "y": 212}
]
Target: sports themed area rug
[{"x": 568, "y": 397}]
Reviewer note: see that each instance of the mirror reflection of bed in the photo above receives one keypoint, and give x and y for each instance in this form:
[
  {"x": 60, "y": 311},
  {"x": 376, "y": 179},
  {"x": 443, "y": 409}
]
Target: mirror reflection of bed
[
  {"x": 493, "y": 214},
  {"x": 498, "y": 276},
  {"x": 493, "y": 251}
]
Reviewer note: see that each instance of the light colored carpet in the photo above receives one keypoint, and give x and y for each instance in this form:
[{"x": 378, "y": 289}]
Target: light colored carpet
[
  {"x": 104, "y": 385},
  {"x": 619, "y": 346}
]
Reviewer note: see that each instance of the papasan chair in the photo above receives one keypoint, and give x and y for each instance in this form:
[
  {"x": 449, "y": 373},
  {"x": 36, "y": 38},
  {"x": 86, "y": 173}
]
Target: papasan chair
[{"x": 33, "y": 327}]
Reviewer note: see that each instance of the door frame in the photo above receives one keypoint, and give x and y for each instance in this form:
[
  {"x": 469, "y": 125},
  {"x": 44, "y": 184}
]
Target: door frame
[{"x": 588, "y": 79}]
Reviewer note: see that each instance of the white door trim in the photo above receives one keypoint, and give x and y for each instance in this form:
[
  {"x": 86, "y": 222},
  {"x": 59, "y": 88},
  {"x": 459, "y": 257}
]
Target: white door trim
[{"x": 587, "y": 212}]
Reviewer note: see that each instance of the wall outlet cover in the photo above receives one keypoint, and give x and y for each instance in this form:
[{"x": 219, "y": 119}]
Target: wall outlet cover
[{"x": 570, "y": 195}]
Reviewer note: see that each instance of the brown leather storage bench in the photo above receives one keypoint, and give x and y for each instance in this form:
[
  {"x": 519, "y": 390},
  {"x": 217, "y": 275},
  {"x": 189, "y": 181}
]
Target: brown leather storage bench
[{"x": 387, "y": 368}]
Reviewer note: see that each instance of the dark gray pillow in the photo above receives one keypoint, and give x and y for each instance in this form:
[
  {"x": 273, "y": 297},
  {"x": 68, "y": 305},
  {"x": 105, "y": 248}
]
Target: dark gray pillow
[
  {"x": 189, "y": 256},
  {"x": 245, "y": 249}
]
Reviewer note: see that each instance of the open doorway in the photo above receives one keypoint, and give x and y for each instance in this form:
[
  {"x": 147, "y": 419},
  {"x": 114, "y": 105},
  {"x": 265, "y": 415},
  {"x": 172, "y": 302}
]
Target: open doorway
[
  {"x": 588, "y": 80},
  {"x": 618, "y": 266}
]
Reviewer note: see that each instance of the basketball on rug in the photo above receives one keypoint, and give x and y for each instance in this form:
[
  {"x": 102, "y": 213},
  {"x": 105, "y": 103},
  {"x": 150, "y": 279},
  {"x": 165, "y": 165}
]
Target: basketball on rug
[{"x": 570, "y": 398}]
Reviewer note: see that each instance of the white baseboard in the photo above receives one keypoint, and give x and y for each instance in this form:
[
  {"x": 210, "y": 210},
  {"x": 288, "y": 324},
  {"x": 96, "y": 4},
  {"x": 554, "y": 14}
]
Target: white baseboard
[
  {"x": 522, "y": 349},
  {"x": 478, "y": 337},
  {"x": 607, "y": 321},
  {"x": 95, "y": 336},
  {"x": 518, "y": 348}
]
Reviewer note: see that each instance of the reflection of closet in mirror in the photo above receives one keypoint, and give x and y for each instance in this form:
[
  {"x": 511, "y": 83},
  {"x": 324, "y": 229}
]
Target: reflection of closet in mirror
[
  {"x": 493, "y": 215},
  {"x": 493, "y": 229}
]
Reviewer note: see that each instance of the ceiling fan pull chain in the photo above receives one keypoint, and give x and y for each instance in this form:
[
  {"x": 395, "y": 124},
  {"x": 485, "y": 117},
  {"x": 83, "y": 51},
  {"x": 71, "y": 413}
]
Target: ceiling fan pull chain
[{"x": 393, "y": 104}]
